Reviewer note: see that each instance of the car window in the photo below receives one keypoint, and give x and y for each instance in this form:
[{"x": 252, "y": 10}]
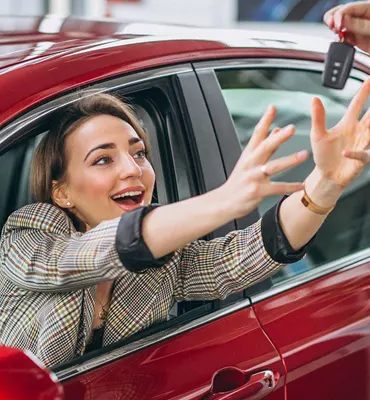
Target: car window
[{"x": 247, "y": 93}]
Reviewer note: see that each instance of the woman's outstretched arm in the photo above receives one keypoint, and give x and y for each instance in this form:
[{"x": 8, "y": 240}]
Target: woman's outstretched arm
[
  {"x": 172, "y": 226},
  {"x": 339, "y": 153}
]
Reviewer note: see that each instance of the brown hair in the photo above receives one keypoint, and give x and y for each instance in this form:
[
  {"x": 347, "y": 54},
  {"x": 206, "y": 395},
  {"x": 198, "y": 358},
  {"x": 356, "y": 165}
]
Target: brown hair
[{"x": 49, "y": 162}]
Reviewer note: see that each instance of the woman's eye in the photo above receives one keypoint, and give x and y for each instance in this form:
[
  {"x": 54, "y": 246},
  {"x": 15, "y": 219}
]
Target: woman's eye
[
  {"x": 103, "y": 161},
  {"x": 140, "y": 154}
]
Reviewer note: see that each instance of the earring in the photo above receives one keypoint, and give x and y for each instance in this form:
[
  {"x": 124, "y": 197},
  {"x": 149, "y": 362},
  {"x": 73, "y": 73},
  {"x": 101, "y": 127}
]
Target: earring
[{"x": 68, "y": 203}]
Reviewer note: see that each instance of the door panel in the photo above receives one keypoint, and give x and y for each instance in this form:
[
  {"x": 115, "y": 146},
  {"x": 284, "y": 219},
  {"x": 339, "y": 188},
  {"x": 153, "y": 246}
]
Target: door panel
[
  {"x": 183, "y": 366},
  {"x": 322, "y": 330}
]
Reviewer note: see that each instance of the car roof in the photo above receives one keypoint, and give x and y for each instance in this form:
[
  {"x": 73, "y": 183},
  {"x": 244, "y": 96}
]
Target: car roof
[
  {"x": 47, "y": 55},
  {"x": 26, "y": 38}
]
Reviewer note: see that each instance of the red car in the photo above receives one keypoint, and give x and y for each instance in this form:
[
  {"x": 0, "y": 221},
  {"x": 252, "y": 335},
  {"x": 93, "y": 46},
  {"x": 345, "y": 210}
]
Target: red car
[{"x": 302, "y": 334}]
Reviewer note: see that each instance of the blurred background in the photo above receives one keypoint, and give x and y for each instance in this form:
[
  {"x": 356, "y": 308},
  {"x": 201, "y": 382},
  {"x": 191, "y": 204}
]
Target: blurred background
[{"x": 254, "y": 14}]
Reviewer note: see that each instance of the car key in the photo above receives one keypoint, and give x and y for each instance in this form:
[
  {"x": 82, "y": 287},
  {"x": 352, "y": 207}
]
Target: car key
[{"x": 338, "y": 63}]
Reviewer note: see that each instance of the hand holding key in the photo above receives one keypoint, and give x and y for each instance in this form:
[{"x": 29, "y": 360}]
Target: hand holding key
[{"x": 355, "y": 19}]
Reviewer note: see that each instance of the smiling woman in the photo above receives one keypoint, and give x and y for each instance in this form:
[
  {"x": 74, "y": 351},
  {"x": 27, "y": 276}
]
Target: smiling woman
[
  {"x": 93, "y": 261},
  {"x": 108, "y": 145}
]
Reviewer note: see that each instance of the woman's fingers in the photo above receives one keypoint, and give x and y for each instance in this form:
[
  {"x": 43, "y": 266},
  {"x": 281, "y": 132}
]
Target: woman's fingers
[
  {"x": 281, "y": 164},
  {"x": 262, "y": 129},
  {"x": 329, "y": 16},
  {"x": 318, "y": 130},
  {"x": 362, "y": 155},
  {"x": 268, "y": 147}
]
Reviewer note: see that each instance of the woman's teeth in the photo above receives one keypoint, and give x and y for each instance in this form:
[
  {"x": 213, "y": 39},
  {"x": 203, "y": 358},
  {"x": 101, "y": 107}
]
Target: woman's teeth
[{"x": 127, "y": 194}]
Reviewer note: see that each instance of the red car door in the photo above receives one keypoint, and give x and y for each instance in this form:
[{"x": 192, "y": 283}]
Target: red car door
[
  {"x": 321, "y": 329},
  {"x": 224, "y": 355},
  {"x": 316, "y": 311}
]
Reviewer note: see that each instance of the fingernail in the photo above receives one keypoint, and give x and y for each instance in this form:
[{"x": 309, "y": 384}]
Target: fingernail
[
  {"x": 302, "y": 154},
  {"x": 289, "y": 127},
  {"x": 338, "y": 18}
]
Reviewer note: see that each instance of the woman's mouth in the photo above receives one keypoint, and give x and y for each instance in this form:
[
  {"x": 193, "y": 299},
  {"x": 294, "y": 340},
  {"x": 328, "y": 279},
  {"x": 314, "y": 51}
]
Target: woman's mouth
[{"x": 129, "y": 200}]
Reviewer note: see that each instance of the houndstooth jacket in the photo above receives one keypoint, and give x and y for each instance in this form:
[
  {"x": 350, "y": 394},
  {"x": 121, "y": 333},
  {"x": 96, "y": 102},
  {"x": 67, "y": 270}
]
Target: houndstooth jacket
[{"x": 48, "y": 273}]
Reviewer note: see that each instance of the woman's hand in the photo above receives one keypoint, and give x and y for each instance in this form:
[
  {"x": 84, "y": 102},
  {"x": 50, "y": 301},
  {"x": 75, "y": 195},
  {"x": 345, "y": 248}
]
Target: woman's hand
[
  {"x": 354, "y": 18},
  {"x": 340, "y": 153},
  {"x": 249, "y": 182}
]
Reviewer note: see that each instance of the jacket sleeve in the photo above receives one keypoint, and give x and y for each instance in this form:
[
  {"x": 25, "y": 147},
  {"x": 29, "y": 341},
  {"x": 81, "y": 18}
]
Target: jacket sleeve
[
  {"x": 217, "y": 268},
  {"x": 41, "y": 251}
]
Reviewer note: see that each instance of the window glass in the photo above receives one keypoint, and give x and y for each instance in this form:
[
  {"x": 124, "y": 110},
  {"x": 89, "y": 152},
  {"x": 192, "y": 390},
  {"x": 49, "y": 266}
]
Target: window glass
[{"x": 247, "y": 94}]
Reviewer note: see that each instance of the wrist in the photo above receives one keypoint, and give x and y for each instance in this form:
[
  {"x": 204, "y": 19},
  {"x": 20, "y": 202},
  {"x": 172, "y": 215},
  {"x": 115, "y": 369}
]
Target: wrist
[
  {"x": 219, "y": 204},
  {"x": 322, "y": 191}
]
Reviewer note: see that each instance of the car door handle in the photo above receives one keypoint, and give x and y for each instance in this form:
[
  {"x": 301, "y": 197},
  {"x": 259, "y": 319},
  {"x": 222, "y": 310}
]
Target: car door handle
[{"x": 234, "y": 384}]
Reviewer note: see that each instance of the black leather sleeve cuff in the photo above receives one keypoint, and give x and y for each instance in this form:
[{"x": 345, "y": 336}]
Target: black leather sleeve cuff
[
  {"x": 275, "y": 241},
  {"x": 131, "y": 248}
]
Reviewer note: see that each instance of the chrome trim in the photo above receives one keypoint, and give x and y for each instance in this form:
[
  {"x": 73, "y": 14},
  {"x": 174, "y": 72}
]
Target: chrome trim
[
  {"x": 147, "y": 341},
  {"x": 35, "y": 115},
  {"x": 270, "y": 63},
  {"x": 344, "y": 264}
]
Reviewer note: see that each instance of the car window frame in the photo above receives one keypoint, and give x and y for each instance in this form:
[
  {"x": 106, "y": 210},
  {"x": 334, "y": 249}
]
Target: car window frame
[{"x": 231, "y": 150}]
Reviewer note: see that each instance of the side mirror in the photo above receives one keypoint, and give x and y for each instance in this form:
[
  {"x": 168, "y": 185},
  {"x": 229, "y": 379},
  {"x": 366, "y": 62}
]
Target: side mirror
[{"x": 24, "y": 377}]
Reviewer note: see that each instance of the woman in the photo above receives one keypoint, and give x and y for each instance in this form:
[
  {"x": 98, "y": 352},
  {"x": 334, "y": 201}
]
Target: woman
[{"x": 92, "y": 262}]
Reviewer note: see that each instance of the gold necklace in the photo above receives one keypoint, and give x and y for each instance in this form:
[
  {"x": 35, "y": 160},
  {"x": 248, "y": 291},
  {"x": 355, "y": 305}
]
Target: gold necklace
[{"x": 103, "y": 313}]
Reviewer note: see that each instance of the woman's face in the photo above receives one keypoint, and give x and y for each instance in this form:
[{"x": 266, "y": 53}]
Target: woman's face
[{"x": 107, "y": 170}]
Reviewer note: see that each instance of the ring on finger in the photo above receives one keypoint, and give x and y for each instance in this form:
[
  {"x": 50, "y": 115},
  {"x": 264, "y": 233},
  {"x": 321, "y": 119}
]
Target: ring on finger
[{"x": 264, "y": 171}]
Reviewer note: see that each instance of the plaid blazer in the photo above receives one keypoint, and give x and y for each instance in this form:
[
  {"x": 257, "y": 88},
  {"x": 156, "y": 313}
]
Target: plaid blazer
[{"x": 49, "y": 273}]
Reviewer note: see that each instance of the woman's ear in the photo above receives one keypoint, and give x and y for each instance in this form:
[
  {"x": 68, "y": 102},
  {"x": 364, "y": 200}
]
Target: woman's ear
[{"x": 60, "y": 195}]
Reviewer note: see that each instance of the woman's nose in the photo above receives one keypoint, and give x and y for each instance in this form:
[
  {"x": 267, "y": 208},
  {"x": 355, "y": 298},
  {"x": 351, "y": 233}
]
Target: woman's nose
[{"x": 129, "y": 168}]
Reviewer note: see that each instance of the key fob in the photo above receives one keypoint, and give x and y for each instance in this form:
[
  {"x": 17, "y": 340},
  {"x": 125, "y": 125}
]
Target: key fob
[{"x": 338, "y": 64}]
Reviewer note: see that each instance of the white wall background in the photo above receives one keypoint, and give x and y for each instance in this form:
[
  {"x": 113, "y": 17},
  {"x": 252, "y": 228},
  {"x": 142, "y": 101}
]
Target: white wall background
[
  {"x": 22, "y": 7},
  {"x": 215, "y": 13},
  {"x": 205, "y": 13}
]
